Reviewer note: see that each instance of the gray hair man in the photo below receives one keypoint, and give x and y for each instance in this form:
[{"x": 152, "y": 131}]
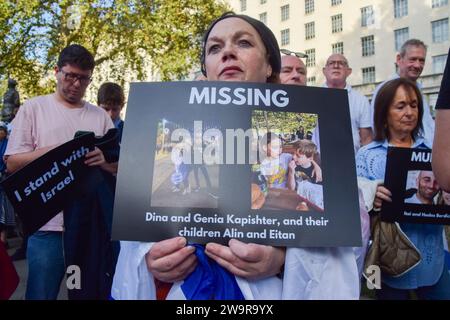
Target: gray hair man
[
  {"x": 336, "y": 72},
  {"x": 411, "y": 61}
]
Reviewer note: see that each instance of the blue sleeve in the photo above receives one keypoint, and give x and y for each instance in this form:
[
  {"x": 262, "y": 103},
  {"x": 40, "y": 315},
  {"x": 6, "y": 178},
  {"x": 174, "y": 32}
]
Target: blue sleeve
[{"x": 361, "y": 163}]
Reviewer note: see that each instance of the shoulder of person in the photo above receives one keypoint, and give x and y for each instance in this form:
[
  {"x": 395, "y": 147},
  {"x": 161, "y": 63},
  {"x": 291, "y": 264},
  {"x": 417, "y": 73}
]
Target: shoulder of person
[
  {"x": 96, "y": 109},
  {"x": 38, "y": 101},
  {"x": 378, "y": 87},
  {"x": 358, "y": 95},
  {"x": 93, "y": 107},
  {"x": 34, "y": 104},
  {"x": 422, "y": 143},
  {"x": 369, "y": 148}
]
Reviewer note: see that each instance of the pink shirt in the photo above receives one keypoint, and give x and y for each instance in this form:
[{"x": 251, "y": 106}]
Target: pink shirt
[{"x": 43, "y": 121}]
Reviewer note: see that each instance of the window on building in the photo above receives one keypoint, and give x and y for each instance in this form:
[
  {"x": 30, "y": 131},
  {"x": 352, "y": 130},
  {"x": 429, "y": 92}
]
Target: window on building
[
  {"x": 285, "y": 12},
  {"x": 439, "y": 63},
  {"x": 438, "y": 3},
  {"x": 263, "y": 17},
  {"x": 309, "y": 6},
  {"x": 338, "y": 47},
  {"x": 401, "y": 35},
  {"x": 400, "y": 8},
  {"x": 243, "y": 5},
  {"x": 311, "y": 81},
  {"x": 367, "y": 16},
  {"x": 368, "y": 74},
  {"x": 311, "y": 59},
  {"x": 336, "y": 23},
  {"x": 335, "y": 2},
  {"x": 310, "y": 30},
  {"x": 285, "y": 37},
  {"x": 368, "y": 46},
  {"x": 440, "y": 30},
  {"x": 262, "y": 1}
]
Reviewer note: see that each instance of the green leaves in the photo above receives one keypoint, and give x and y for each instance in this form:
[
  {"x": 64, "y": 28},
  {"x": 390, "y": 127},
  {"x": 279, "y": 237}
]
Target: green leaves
[{"x": 130, "y": 39}]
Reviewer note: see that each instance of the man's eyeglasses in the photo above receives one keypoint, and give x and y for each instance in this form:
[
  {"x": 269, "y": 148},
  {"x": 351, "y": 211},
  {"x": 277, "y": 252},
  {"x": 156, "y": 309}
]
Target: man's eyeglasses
[
  {"x": 340, "y": 64},
  {"x": 292, "y": 53},
  {"x": 73, "y": 77}
]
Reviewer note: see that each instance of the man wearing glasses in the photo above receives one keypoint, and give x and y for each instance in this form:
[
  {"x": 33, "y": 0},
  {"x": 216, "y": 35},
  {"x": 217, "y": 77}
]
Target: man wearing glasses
[
  {"x": 293, "y": 70},
  {"x": 336, "y": 72},
  {"x": 41, "y": 124}
]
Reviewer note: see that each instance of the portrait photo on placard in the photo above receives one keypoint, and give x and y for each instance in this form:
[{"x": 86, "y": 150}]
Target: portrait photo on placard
[
  {"x": 421, "y": 187},
  {"x": 416, "y": 194}
]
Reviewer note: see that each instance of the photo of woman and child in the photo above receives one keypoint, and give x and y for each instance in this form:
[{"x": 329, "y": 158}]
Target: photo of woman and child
[{"x": 288, "y": 174}]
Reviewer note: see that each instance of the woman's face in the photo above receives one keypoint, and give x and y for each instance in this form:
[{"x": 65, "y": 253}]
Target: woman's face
[
  {"x": 403, "y": 113},
  {"x": 235, "y": 52}
]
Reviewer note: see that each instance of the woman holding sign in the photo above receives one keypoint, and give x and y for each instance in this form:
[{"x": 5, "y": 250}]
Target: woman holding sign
[
  {"x": 398, "y": 118},
  {"x": 235, "y": 48}
]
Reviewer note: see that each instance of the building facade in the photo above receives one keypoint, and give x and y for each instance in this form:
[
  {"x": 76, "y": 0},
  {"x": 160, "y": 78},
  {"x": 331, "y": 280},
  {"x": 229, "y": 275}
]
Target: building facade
[{"x": 368, "y": 32}]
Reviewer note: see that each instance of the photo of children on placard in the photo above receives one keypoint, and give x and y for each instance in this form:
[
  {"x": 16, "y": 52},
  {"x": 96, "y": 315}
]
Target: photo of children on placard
[
  {"x": 181, "y": 176},
  {"x": 287, "y": 174},
  {"x": 423, "y": 188}
]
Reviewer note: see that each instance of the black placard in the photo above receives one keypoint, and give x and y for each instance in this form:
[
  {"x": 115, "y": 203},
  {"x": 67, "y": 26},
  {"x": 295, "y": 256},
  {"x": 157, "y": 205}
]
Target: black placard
[
  {"x": 42, "y": 188},
  {"x": 416, "y": 195},
  {"x": 153, "y": 201}
]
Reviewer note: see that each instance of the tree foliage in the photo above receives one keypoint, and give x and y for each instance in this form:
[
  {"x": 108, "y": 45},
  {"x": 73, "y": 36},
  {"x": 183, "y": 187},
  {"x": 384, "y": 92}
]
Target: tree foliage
[
  {"x": 139, "y": 37},
  {"x": 283, "y": 122}
]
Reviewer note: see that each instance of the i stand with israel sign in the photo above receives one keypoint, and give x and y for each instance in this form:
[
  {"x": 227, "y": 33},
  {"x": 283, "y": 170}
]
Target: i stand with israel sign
[{"x": 42, "y": 188}]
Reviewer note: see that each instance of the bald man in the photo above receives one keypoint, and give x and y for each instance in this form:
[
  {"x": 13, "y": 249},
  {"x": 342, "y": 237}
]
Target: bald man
[
  {"x": 336, "y": 72},
  {"x": 293, "y": 71},
  {"x": 427, "y": 188}
]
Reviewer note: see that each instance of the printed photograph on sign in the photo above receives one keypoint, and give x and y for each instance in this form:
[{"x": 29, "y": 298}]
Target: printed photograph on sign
[
  {"x": 183, "y": 175},
  {"x": 288, "y": 172},
  {"x": 214, "y": 161},
  {"x": 423, "y": 188},
  {"x": 417, "y": 196}
]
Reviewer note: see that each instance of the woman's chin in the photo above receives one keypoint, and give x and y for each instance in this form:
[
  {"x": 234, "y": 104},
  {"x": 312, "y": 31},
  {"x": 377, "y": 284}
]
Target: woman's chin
[{"x": 234, "y": 77}]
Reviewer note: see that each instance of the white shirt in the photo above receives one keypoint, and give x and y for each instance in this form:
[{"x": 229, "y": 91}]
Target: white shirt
[
  {"x": 359, "y": 116},
  {"x": 309, "y": 273}
]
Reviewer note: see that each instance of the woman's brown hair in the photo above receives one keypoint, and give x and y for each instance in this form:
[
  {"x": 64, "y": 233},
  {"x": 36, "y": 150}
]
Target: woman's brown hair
[{"x": 383, "y": 101}]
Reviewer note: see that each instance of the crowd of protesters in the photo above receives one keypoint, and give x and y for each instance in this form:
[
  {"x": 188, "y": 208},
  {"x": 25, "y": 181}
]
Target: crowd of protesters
[{"x": 241, "y": 49}]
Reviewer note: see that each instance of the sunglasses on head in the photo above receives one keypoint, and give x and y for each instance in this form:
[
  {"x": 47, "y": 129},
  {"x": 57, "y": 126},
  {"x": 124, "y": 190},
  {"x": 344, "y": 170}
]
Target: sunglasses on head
[{"x": 292, "y": 53}]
